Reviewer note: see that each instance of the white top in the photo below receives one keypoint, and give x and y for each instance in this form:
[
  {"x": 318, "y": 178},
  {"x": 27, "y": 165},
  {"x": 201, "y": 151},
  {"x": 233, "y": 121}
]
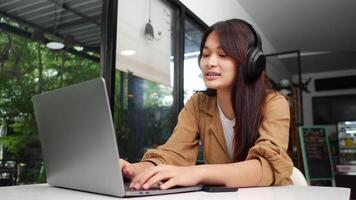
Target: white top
[
  {"x": 45, "y": 192},
  {"x": 228, "y": 127}
]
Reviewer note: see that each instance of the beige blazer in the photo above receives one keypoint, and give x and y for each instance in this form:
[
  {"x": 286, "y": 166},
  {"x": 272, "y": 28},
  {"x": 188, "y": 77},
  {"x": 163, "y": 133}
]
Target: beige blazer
[{"x": 199, "y": 120}]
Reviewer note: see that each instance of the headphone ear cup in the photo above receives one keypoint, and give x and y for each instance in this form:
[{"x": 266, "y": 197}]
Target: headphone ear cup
[{"x": 256, "y": 63}]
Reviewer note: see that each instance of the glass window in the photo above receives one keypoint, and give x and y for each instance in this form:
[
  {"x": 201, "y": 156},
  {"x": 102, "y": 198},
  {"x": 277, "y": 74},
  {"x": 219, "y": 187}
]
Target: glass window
[
  {"x": 193, "y": 80},
  {"x": 29, "y": 65},
  {"x": 144, "y": 76}
]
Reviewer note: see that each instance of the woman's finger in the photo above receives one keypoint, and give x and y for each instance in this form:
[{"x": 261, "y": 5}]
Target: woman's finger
[
  {"x": 127, "y": 171},
  {"x": 123, "y": 163},
  {"x": 125, "y": 167},
  {"x": 156, "y": 179},
  {"x": 141, "y": 178},
  {"x": 168, "y": 184}
]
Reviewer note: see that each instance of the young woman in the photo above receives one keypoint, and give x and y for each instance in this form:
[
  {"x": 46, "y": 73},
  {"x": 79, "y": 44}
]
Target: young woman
[{"x": 241, "y": 122}]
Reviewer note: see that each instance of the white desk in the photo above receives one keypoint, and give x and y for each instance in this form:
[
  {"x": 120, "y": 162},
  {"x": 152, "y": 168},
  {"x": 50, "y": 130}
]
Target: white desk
[{"x": 45, "y": 192}]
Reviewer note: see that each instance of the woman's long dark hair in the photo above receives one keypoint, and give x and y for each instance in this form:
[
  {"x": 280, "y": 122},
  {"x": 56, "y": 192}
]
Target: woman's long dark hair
[{"x": 247, "y": 96}]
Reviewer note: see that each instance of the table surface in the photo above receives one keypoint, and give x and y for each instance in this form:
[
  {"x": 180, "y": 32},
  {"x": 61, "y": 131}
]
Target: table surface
[{"x": 46, "y": 192}]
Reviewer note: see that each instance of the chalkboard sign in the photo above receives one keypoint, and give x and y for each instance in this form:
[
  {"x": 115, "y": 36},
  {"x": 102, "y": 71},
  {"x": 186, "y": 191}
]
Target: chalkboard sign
[{"x": 316, "y": 153}]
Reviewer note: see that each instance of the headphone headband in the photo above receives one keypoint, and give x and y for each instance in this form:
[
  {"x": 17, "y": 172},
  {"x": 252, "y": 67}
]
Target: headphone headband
[{"x": 258, "y": 41}]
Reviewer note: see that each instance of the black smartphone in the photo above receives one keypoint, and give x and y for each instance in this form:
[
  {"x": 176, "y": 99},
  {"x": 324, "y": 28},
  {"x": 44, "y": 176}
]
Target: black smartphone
[{"x": 218, "y": 188}]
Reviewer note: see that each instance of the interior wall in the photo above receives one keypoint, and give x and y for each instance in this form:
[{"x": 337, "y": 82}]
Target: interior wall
[
  {"x": 153, "y": 57},
  {"x": 276, "y": 70},
  {"x": 307, "y": 98}
]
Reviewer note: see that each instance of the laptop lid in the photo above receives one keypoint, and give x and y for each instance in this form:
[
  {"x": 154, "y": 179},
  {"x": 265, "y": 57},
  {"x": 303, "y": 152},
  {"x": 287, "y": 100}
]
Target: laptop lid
[
  {"x": 78, "y": 138},
  {"x": 78, "y": 141}
]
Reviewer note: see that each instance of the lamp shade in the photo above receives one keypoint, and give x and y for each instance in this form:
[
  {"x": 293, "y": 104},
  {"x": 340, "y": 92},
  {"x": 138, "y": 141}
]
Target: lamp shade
[
  {"x": 54, "y": 45},
  {"x": 149, "y": 31}
]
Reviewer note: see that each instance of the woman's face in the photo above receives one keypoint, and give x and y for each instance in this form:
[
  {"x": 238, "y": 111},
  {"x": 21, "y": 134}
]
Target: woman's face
[{"x": 217, "y": 68}]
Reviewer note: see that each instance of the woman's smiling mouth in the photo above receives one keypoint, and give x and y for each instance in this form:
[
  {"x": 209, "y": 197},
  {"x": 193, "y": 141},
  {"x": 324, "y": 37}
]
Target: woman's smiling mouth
[{"x": 212, "y": 75}]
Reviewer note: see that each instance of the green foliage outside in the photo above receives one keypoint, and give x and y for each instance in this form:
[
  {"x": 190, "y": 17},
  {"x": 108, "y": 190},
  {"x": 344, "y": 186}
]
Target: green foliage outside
[
  {"x": 158, "y": 101},
  {"x": 28, "y": 68},
  {"x": 157, "y": 105}
]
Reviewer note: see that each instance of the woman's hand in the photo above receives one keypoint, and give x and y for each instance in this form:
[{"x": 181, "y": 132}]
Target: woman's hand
[
  {"x": 131, "y": 170},
  {"x": 168, "y": 174}
]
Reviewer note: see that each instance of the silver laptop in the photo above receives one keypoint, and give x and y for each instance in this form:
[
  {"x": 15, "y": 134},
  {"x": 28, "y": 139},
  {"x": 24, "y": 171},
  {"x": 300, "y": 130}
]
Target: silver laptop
[{"x": 78, "y": 141}]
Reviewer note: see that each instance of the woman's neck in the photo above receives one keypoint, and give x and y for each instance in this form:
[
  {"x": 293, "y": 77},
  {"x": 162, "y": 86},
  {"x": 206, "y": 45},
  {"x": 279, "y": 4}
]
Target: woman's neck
[{"x": 224, "y": 101}]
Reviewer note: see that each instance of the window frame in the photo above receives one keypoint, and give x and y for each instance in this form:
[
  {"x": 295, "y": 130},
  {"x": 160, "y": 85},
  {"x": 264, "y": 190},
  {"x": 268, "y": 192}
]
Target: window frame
[{"x": 108, "y": 49}]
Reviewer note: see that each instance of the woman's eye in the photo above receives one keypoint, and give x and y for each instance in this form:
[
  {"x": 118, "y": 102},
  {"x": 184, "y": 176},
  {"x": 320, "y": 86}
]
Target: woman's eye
[
  {"x": 205, "y": 55},
  {"x": 222, "y": 55}
]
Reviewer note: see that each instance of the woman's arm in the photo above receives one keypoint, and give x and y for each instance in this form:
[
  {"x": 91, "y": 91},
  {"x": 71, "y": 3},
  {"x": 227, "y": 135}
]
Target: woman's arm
[
  {"x": 240, "y": 174},
  {"x": 271, "y": 146},
  {"x": 182, "y": 146}
]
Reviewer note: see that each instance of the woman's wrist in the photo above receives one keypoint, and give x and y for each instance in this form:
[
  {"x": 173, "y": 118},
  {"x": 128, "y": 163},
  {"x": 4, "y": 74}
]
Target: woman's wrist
[
  {"x": 201, "y": 172},
  {"x": 210, "y": 175}
]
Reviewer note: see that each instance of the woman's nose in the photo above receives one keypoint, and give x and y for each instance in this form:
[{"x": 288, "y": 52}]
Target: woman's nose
[{"x": 212, "y": 61}]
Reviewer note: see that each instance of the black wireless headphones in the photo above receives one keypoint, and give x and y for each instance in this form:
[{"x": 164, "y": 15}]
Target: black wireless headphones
[{"x": 255, "y": 59}]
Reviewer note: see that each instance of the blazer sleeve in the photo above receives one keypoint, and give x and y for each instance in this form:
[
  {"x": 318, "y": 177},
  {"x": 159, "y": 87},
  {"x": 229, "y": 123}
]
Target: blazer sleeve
[
  {"x": 271, "y": 146},
  {"x": 182, "y": 146}
]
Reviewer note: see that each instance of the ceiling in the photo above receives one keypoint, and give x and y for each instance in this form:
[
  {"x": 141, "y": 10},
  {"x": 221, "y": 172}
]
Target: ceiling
[
  {"x": 57, "y": 19},
  {"x": 324, "y": 27}
]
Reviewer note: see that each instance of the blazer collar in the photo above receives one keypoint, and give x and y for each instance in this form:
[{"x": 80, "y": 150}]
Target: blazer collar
[{"x": 209, "y": 105}]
